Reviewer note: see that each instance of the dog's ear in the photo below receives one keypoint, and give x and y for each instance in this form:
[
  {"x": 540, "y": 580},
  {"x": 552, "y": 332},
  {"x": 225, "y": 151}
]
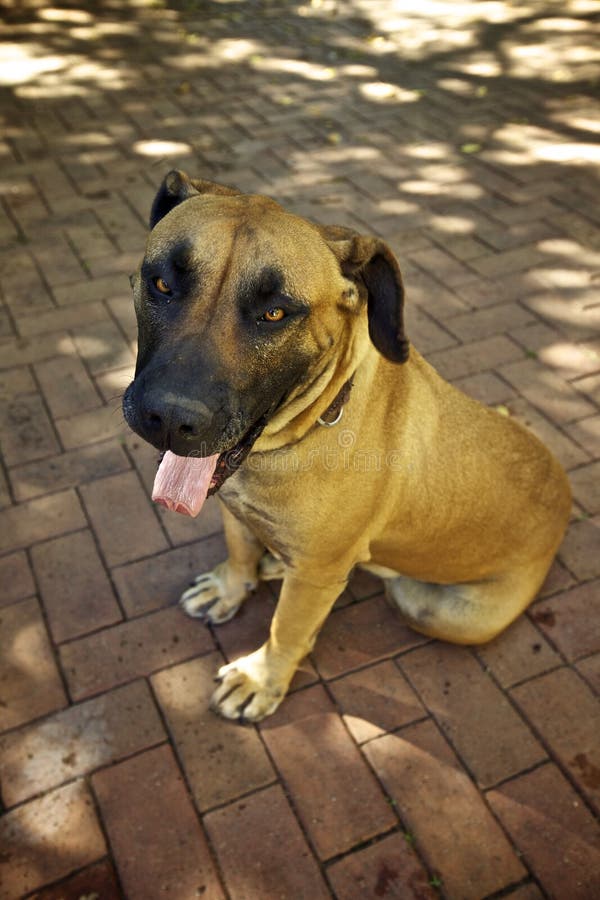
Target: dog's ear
[
  {"x": 177, "y": 187},
  {"x": 370, "y": 260}
]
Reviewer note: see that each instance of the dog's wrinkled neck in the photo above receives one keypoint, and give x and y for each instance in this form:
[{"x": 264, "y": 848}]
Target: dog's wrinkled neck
[{"x": 320, "y": 398}]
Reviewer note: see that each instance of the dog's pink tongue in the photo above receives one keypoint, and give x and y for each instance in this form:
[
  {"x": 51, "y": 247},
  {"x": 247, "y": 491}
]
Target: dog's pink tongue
[{"x": 182, "y": 482}]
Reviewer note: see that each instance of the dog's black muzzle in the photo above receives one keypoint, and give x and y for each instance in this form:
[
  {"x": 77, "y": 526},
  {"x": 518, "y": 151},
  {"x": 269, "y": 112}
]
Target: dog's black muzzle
[
  {"x": 167, "y": 420},
  {"x": 182, "y": 426}
]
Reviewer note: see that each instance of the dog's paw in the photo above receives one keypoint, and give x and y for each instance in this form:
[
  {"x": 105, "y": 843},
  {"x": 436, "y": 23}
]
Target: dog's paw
[
  {"x": 270, "y": 568},
  {"x": 213, "y": 598},
  {"x": 246, "y": 691}
]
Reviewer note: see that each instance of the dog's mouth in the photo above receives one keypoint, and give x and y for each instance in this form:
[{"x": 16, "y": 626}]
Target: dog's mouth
[{"x": 183, "y": 483}]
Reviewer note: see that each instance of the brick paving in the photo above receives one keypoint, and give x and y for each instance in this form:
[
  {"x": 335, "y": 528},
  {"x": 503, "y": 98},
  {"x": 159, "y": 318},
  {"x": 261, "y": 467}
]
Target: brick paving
[{"x": 463, "y": 134}]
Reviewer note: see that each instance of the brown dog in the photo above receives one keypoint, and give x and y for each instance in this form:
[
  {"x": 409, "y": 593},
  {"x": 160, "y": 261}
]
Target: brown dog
[{"x": 253, "y": 326}]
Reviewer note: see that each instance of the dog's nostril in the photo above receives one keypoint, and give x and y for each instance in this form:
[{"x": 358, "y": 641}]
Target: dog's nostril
[
  {"x": 187, "y": 430},
  {"x": 154, "y": 418}
]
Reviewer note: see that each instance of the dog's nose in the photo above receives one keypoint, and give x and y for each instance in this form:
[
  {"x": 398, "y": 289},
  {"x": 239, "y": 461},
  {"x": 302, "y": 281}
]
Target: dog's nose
[{"x": 172, "y": 421}]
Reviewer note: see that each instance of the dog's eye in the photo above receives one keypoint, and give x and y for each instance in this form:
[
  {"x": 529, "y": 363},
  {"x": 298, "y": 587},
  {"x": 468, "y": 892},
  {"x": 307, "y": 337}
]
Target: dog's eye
[
  {"x": 276, "y": 314},
  {"x": 161, "y": 286}
]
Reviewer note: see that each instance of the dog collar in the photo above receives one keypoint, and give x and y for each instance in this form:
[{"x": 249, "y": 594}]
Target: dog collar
[{"x": 335, "y": 410}]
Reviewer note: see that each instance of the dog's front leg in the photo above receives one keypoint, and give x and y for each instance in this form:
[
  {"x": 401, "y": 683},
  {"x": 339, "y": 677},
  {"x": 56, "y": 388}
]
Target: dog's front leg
[
  {"x": 216, "y": 596},
  {"x": 253, "y": 687}
]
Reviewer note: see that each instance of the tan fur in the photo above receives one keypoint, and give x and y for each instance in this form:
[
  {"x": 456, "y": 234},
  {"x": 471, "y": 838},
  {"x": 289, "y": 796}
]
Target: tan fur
[{"x": 463, "y": 508}]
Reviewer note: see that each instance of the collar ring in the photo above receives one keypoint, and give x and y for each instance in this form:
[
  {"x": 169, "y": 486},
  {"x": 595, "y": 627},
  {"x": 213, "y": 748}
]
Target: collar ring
[{"x": 335, "y": 421}]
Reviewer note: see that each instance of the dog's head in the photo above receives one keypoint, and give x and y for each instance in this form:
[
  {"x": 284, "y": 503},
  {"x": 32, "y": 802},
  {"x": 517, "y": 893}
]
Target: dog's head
[{"x": 237, "y": 303}]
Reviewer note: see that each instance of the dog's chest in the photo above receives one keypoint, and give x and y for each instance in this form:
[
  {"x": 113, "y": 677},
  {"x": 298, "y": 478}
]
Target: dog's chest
[{"x": 270, "y": 525}]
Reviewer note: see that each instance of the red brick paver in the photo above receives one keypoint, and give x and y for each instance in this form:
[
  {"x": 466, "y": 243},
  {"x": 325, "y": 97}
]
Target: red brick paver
[
  {"x": 262, "y": 851},
  {"x": 78, "y": 740},
  {"x": 566, "y": 714},
  {"x": 338, "y": 800},
  {"x": 556, "y": 833},
  {"x": 30, "y": 684},
  {"x": 473, "y": 713},
  {"x": 15, "y": 577},
  {"x": 518, "y": 654},
  {"x": 376, "y": 700},
  {"x": 221, "y": 761},
  {"x": 389, "y": 868},
  {"x": 47, "y": 839},
  {"x": 397, "y": 767},
  {"x": 158, "y": 842},
  {"x": 440, "y": 805},
  {"x": 77, "y": 599},
  {"x": 571, "y": 620},
  {"x": 96, "y": 880}
]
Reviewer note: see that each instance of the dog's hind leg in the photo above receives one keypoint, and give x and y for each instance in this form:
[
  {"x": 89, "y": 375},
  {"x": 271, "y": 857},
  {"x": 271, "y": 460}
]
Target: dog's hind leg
[
  {"x": 216, "y": 596},
  {"x": 470, "y": 613}
]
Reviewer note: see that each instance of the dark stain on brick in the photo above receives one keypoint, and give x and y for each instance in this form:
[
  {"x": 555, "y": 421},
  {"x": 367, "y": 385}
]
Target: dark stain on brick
[
  {"x": 421, "y": 889},
  {"x": 590, "y": 774},
  {"x": 385, "y": 878},
  {"x": 545, "y": 617}
]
